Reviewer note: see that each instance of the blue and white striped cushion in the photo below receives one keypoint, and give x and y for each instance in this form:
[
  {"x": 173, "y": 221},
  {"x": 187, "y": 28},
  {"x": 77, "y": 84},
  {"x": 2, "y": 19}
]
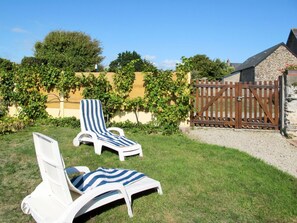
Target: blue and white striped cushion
[
  {"x": 93, "y": 120},
  {"x": 102, "y": 176}
]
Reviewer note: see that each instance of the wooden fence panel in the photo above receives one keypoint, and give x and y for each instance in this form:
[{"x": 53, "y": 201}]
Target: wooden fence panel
[{"x": 236, "y": 105}]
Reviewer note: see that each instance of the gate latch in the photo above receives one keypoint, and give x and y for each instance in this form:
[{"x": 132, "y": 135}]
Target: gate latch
[{"x": 239, "y": 98}]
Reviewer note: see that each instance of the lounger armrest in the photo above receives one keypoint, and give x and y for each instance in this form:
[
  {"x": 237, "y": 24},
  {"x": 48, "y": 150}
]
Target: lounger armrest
[
  {"x": 86, "y": 133},
  {"x": 119, "y": 130},
  {"x": 90, "y": 195},
  {"x": 77, "y": 169}
]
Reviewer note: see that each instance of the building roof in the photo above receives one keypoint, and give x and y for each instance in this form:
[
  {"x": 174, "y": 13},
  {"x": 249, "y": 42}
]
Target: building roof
[
  {"x": 292, "y": 35},
  {"x": 292, "y": 41},
  {"x": 258, "y": 58},
  {"x": 235, "y": 65}
]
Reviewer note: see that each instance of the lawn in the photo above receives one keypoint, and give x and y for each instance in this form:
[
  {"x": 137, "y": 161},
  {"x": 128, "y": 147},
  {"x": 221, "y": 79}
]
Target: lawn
[{"x": 201, "y": 183}]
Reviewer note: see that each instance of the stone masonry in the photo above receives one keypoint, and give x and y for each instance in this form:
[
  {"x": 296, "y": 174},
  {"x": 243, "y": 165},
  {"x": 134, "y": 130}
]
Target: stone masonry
[
  {"x": 290, "y": 117},
  {"x": 274, "y": 64}
]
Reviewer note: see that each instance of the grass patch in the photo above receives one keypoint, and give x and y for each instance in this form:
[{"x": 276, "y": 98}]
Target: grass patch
[{"x": 201, "y": 183}]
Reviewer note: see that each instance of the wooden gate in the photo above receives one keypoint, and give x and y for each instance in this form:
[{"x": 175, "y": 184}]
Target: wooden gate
[{"x": 235, "y": 105}]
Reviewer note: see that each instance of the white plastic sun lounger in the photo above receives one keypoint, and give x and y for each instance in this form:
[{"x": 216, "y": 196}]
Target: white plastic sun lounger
[
  {"x": 56, "y": 199},
  {"x": 93, "y": 130}
]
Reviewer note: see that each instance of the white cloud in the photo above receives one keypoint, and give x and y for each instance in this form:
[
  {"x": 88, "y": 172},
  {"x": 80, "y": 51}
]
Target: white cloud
[
  {"x": 168, "y": 64},
  {"x": 19, "y": 30},
  {"x": 149, "y": 57}
]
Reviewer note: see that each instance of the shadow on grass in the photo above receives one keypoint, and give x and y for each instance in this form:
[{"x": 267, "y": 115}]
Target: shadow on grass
[{"x": 92, "y": 214}]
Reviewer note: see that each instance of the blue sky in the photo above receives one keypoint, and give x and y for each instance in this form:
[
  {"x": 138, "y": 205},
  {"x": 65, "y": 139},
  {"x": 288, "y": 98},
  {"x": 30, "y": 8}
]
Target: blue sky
[{"x": 159, "y": 30}]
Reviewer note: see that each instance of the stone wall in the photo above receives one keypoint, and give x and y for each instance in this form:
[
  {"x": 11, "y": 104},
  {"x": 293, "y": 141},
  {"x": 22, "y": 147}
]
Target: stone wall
[
  {"x": 290, "y": 104},
  {"x": 274, "y": 64}
]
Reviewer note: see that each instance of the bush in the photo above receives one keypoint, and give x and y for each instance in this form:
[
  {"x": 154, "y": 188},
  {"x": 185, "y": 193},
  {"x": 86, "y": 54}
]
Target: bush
[
  {"x": 60, "y": 122},
  {"x": 149, "y": 128},
  {"x": 11, "y": 124},
  {"x": 3, "y": 109}
]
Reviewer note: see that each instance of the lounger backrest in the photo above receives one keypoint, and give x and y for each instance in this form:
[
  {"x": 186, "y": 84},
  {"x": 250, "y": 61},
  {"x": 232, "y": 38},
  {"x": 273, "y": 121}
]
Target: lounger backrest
[
  {"x": 52, "y": 167},
  {"x": 91, "y": 117}
]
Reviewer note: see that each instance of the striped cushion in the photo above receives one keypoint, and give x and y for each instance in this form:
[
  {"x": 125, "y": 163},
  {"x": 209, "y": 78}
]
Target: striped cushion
[
  {"x": 102, "y": 176},
  {"x": 93, "y": 120}
]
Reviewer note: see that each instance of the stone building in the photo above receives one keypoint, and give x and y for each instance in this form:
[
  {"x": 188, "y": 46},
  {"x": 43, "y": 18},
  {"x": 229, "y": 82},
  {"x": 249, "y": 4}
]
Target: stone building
[{"x": 266, "y": 65}]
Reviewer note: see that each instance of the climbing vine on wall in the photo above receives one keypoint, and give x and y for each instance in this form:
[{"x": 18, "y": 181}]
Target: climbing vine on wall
[
  {"x": 64, "y": 81},
  {"x": 100, "y": 88},
  {"x": 167, "y": 96},
  {"x": 27, "y": 94},
  {"x": 25, "y": 87},
  {"x": 123, "y": 79},
  {"x": 6, "y": 90}
]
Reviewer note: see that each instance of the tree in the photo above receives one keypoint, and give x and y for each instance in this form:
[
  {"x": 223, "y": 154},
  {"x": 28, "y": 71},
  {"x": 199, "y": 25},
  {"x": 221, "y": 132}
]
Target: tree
[
  {"x": 6, "y": 65},
  {"x": 125, "y": 58},
  {"x": 63, "y": 49},
  {"x": 201, "y": 66},
  {"x": 32, "y": 61}
]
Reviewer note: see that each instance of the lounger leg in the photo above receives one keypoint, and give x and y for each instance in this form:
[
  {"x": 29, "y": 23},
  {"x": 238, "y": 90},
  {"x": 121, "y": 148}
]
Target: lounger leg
[
  {"x": 98, "y": 148},
  {"x": 128, "y": 204},
  {"x": 159, "y": 189},
  {"x": 141, "y": 154},
  {"x": 121, "y": 156}
]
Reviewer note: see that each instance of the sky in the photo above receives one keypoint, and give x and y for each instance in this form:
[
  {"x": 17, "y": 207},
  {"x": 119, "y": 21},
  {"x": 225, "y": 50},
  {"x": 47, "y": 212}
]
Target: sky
[{"x": 161, "y": 31}]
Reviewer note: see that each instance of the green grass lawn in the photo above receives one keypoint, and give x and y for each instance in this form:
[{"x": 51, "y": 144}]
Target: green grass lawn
[{"x": 201, "y": 183}]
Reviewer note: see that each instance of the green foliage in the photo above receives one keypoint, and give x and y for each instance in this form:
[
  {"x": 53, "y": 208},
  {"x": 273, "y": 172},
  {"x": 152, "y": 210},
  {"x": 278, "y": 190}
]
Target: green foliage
[
  {"x": 11, "y": 124},
  {"x": 27, "y": 94},
  {"x": 6, "y": 89},
  {"x": 124, "y": 78},
  {"x": 112, "y": 100},
  {"x": 33, "y": 62},
  {"x": 125, "y": 58},
  {"x": 63, "y": 81},
  {"x": 6, "y": 65},
  {"x": 134, "y": 104},
  {"x": 167, "y": 98},
  {"x": 201, "y": 66},
  {"x": 3, "y": 109},
  {"x": 6, "y": 85},
  {"x": 67, "y": 82},
  {"x": 131, "y": 127},
  {"x": 96, "y": 87},
  {"x": 49, "y": 77},
  {"x": 100, "y": 88},
  {"x": 75, "y": 50},
  {"x": 71, "y": 122}
]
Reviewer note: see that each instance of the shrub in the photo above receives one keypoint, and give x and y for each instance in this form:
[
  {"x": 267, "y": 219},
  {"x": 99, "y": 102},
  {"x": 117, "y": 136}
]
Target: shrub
[
  {"x": 149, "y": 128},
  {"x": 60, "y": 122},
  {"x": 11, "y": 124}
]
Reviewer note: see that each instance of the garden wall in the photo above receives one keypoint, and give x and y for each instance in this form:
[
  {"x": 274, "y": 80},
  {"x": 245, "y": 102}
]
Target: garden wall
[
  {"x": 57, "y": 106},
  {"x": 290, "y": 104}
]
